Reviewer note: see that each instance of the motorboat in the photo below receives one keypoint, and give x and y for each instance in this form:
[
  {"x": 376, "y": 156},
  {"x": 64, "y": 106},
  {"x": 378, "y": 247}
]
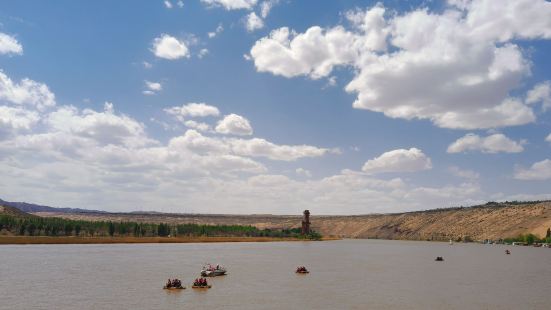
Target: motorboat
[{"x": 213, "y": 271}]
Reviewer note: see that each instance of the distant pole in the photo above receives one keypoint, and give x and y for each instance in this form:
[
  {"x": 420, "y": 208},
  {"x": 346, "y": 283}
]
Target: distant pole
[{"x": 306, "y": 223}]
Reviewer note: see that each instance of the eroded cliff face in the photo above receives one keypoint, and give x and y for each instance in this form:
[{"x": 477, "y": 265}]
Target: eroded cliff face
[{"x": 478, "y": 223}]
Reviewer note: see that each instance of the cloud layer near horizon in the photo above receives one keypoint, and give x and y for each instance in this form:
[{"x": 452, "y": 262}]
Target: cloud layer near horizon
[{"x": 104, "y": 159}]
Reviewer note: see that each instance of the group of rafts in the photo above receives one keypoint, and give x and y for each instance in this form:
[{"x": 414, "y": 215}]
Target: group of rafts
[
  {"x": 200, "y": 283},
  {"x": 210, "y": 271}
]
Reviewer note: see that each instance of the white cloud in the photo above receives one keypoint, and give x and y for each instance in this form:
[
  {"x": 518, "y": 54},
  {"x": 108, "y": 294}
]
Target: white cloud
[
  {"x": 457, "y": 68},
  {"x": 168, "y": 47},
  {"x": 303, "y": 172},
  {"x": 266, "y": 7},
  {"x": 548, "y": 139},
  {"x": 202, "y": 53},
  {"x": 253, "y": 22},
  {"x": 231, "y": 4},
  {"x": 463, "y": 173},
  {"x": 168, "y": 4},
  {"x": 193, "y": 109},
  {"x": 540, "y": 93},
  {"x": 195, "y": 141},
  {"x": 313, "y": 53},
  {"x": 103, "y": 127},
  {"x": 153, "y": 86},
  {"x": 258, "y": 147},
  {"x": 15, "y": 119},
  {"x": 26, "y": 92},
  {"x": 147, "y": 65},
  {"x": 400, "y": 160},
  {"x": 538, "y": 171},
  {"x": 197, "y": 125},
  {"x": 9, "y": 45},
  {"x": 218, "y": 30},
  {"x": 495, "y": 143},
  {"x": 235, "y": 125},
  {"x": 180, "y": 4}
]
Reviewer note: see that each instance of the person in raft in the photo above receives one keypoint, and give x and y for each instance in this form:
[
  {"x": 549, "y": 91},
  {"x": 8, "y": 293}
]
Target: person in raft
[
  {"x": 200, "y": 282},
  {"x": 301, "y": 269},
  {"x": 173, "y": 283}
]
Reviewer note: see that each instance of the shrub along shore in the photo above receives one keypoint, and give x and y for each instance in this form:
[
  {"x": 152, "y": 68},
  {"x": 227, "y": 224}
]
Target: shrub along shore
[{"x": 47, "y": 230}]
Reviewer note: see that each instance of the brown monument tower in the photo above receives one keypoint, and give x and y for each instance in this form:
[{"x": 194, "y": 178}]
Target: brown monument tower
[{"x": 306, "y": 223}]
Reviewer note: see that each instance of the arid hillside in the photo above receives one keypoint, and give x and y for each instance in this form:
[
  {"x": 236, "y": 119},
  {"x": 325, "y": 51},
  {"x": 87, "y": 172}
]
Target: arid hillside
[{"x": 490, "y": 221}]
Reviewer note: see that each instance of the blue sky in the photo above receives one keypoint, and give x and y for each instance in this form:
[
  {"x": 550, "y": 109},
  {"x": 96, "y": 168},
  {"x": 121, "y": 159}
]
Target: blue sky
[{"x": 244, "y": 106}]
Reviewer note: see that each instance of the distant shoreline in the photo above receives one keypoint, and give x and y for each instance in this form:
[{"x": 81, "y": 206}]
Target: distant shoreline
[{"x": 7, "y": 240}]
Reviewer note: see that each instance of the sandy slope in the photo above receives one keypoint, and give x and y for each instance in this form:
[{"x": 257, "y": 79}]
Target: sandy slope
[{"x": 479, "y": 223}]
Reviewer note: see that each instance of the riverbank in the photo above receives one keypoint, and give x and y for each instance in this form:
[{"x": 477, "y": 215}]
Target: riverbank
[{"x": 115, "y": 240}]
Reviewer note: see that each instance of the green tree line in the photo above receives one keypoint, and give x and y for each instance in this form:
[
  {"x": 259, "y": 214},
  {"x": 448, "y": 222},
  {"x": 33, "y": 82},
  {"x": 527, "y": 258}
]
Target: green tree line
[
  {"x": 49, "y": 226},
  {"x": 530, "y": 238}
]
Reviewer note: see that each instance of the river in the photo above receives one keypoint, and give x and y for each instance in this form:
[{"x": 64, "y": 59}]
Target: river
[{"x": 345, "y": 274}]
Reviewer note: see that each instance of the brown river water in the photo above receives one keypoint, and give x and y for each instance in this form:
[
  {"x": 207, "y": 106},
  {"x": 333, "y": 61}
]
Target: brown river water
[{"x": 345, "y": 274}]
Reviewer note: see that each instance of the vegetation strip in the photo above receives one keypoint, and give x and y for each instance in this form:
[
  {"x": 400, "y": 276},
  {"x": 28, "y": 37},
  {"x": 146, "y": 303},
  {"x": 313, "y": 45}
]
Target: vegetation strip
[{"x": 34, "y": 229}]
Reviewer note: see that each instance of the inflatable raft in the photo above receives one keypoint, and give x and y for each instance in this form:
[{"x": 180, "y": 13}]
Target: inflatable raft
[
  {"x": 174, "y": 288},
  {"x": 202, "y": 286}
]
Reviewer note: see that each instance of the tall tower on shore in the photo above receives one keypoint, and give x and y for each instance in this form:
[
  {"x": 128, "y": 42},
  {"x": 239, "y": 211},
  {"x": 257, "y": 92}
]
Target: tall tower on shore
[{"x": 306, "y": 223}]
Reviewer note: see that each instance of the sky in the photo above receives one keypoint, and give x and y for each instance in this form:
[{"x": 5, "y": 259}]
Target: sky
[{"x": 273, "y": 107}]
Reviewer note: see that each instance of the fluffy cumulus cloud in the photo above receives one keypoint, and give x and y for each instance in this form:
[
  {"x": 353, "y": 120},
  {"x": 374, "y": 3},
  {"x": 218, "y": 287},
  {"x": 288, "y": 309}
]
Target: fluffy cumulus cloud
[
  {"x": 200, "y": 126},
  {"x": 14, "y": 120},
  {"x": 169, "y": 47},
  {"x": 25, "y": 92},
  {"x": 538, "y": 171},
  {"x": 234, "y": 124},
  {"x": 313, "y": 53},
  {"x": 401, "y": 160},
  {"x": 457, "y": 68},
  {"x": 9, "y": 45},
  {"x": 231, "y": 4},
  {"x": 541, "y": 93},
  {"x": 253, "y": 22},
  {"x": 260, "y": 147},
  {"x": 548, "y": 139},
  {"x": 495, "y": 143},
  {"x": 193, "y": 109},
  {"x": 256, "y": 147},
  {"x": 152, "y": 88},
  {"x": 104, "y": 127}
]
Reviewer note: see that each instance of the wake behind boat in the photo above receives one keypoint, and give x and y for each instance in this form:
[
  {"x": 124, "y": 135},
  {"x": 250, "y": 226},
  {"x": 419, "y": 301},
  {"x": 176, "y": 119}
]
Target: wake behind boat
[{"x": 213, "y": 271}]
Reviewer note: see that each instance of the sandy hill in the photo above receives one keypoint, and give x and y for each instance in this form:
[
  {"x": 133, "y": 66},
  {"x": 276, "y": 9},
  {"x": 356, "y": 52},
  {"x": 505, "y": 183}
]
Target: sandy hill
[
  {"x": 7, "y": 210},
  {"x": 489, "y": 221}
]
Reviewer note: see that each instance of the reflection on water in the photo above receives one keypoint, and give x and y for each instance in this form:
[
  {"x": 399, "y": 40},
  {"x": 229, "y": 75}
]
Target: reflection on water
[{"x": 347, "y": 274}]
